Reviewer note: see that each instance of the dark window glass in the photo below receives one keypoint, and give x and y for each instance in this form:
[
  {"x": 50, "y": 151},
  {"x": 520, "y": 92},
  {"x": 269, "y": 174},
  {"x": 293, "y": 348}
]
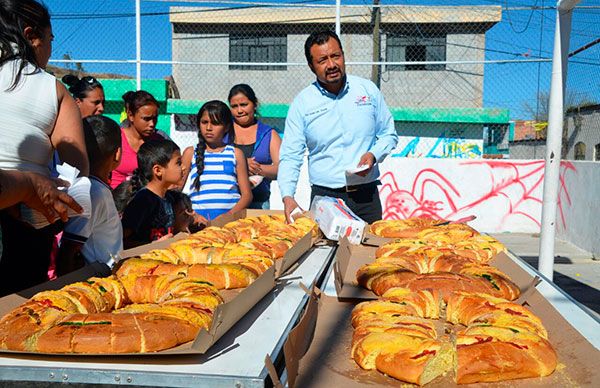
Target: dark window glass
[
  {"x": 409, "y": 48},
  {"x": 257, "y": 49},
  {"x": 580, "y": 151}
]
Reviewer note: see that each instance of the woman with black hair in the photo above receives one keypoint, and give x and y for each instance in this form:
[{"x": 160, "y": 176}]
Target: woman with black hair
[
  {"x": 259, "y": 142},
  {"x": 140, "y": 126},
  {"x": 37, "y": 116},
  {"x": 88, "y": 94}
]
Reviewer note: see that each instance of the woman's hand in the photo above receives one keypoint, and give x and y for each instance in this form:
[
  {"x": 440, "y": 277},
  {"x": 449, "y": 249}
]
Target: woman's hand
[
  {"x": 254, "y": 168},
  {"x": 45, "y": 197}
]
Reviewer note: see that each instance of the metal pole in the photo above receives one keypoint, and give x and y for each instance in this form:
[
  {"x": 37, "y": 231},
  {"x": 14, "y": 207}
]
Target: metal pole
[
  {"x": 554, "y": 140},
  {"x": 338, "y": 17},
  {"x": 138, "y": 45},
  {"x": 375, "y": 23}
]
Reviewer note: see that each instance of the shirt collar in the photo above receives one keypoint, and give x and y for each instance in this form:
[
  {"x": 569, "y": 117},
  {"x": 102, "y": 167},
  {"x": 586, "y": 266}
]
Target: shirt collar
[{"x": 326, "y": 92}]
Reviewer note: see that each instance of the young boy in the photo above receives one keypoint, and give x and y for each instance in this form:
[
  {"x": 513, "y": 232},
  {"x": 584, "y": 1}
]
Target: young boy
[{"x": 97, "y": 238}]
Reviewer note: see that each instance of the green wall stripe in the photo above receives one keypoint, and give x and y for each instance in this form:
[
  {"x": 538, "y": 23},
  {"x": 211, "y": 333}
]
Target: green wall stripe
[
  {"x": 443, "y": 115},
  {"x": 452, "y": 115},
  {"x": 115, "y": 88}
]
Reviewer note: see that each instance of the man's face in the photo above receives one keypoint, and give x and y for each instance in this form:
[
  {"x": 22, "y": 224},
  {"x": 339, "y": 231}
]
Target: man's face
[{"x": 328, "y": 63}]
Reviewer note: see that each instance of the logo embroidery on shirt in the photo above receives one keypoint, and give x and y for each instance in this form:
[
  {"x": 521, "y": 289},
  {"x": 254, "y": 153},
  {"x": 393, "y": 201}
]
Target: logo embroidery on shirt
[{"x": 363, "y": 100}]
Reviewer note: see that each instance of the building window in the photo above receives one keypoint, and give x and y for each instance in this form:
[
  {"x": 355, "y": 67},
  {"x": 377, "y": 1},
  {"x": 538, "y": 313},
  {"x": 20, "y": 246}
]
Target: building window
[
  {"x": 597, "y": 152},
  {"x": 257, "y": 49},
  {"x": 580, "y": 151},
  {"x": 410, "y": 48}
]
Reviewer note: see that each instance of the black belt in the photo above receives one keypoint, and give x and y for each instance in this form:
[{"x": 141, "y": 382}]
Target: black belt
[{"x": 349, "y": 189}]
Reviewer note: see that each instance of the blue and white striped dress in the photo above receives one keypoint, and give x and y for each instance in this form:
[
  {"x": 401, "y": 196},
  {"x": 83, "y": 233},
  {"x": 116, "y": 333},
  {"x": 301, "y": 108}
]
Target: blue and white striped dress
[{"x": 219, "y": 190}]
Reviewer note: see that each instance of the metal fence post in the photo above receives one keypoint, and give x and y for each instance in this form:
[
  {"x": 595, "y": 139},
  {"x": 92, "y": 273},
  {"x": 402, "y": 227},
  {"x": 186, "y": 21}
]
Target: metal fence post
[{"x": 554, "y": 141}]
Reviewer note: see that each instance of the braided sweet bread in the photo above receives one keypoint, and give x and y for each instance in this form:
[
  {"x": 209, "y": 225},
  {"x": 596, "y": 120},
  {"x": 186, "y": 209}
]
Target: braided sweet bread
[
  {"x": 407, "y": 228},
  {"x": 446, "y": 258},
  {"x": 131, "y": 314},
  {"x": 253, "y": 243},
  {"x": 396, "y": 336}
]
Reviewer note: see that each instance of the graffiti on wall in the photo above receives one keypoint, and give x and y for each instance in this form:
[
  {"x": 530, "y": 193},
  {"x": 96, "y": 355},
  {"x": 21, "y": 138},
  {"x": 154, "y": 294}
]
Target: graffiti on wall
[
  {"x": 503, "y": 195},
  {"x": 448, "y": 144}
]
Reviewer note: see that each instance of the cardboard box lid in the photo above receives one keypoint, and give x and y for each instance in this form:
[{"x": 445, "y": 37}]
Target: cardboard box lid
[{"x": 328, "y": 361}]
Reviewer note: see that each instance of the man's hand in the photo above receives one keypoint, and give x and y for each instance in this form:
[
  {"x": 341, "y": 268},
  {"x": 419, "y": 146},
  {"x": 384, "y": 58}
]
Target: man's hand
[
  {"x": 46, "y": 198},
  {"x": 254, "y": 168},
  {"x": 368, "y": 159},
  {"x": 289, "y": 204}
]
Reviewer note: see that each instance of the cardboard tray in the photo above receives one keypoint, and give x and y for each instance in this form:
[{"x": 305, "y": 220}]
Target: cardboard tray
[
  {"x": 328, "y": 361},
  {"x": 237, "y": 302},
  {"x": 349, "y": 258}
]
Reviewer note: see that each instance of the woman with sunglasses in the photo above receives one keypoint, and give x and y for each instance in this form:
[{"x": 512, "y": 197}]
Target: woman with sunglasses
[{"x": 88, "y": 94}]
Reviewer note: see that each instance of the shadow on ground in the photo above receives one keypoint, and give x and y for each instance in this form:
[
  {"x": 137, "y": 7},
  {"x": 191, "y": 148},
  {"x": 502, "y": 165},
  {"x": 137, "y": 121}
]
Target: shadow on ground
[{"x": 581, "y": 292}]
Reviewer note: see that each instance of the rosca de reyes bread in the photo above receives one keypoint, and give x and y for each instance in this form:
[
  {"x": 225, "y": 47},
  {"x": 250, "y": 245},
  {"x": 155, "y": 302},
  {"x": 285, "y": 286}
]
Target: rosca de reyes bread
[
  {"x": 482, "y": 340},
  {"x": 112, "y": 315},
  {"x": 446, "y": 258},
  {"x": 254, "y": 243}
]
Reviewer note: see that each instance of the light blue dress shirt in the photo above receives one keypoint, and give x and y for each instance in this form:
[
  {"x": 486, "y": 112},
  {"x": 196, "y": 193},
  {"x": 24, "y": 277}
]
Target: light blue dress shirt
[{"x": 337, "y": 130}]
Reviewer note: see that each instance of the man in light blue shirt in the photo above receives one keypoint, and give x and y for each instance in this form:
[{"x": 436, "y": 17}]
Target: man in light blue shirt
[{"x": 345, "y": 123}]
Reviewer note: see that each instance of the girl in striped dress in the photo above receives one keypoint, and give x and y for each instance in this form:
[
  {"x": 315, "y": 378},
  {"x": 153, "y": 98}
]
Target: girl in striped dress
[{"x": 217, "y": 180}]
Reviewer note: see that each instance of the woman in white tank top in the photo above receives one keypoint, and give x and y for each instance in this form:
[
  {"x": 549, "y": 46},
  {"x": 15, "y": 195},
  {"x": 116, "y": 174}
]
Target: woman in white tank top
[{"x": 37, "y": 116}]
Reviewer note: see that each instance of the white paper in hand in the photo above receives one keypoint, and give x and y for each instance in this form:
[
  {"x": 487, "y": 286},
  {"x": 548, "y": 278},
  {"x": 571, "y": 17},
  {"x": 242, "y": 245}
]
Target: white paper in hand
[
  {"x": 352, "y": 179},
  {"x": 79, "y": 189}
]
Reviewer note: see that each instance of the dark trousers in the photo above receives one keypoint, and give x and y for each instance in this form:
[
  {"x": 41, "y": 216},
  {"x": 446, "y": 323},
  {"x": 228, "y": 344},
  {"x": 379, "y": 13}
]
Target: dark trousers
[
  {"x": 25, "y": 253},
  {"x": 364, "y": 201}
]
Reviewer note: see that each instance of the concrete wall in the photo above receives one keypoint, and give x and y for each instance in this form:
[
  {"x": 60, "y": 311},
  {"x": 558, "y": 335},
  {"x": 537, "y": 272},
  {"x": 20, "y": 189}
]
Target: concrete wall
[
  {"x": 458, "y": 86},
  {"x": 504, "y": 195},
  {"x": 439, "y": 140},
  {"x": 581, "y": 209}
]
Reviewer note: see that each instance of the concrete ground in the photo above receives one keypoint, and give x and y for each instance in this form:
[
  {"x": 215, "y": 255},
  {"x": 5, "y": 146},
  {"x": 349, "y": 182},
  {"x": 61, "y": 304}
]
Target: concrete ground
[{"x": 575, "y": 270}]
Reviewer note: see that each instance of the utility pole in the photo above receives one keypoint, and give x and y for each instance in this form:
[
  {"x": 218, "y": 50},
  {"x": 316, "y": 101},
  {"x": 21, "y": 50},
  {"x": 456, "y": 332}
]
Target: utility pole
[{"x": 375, "y": 23}]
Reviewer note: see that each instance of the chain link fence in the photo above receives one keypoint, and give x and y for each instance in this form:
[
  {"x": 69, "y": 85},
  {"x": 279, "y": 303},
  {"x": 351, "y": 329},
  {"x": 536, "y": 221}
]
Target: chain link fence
[{"x": 463, "y": 79}]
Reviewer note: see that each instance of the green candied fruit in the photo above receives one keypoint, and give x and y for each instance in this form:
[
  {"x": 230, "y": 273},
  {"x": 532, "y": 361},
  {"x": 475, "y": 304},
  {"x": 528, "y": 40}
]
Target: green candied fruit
[{"x": 489, "y": 279}]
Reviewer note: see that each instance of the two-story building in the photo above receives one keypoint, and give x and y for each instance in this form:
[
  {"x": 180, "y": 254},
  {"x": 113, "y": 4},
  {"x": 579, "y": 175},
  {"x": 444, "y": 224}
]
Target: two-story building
[{"x": 432, "y": 74}]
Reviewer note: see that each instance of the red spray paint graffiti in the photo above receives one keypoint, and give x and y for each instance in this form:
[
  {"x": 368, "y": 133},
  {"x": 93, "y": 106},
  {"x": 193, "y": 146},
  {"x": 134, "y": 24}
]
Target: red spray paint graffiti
[{"x": 512, "y": 187}]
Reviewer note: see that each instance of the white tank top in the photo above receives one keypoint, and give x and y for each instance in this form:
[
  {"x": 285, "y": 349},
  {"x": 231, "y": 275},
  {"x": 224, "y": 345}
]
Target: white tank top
[{"x": 27, "y": 117}]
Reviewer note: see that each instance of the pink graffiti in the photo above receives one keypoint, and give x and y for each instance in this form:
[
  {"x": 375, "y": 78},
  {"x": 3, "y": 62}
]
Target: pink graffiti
[{"x": 449, "y": 203}]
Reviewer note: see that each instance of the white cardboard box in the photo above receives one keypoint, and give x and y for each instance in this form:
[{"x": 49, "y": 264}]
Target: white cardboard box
[{"x": 336, "y": 220}]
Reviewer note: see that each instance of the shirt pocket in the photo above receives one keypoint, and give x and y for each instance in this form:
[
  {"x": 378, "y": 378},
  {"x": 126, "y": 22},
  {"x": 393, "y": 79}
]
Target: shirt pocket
[
  {"x": 229, "y": 168},
  {"x": 362, "y": 121}
]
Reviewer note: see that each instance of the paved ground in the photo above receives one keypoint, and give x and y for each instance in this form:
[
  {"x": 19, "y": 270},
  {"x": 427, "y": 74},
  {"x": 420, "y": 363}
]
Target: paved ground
[{"x": 575, "y": 270}]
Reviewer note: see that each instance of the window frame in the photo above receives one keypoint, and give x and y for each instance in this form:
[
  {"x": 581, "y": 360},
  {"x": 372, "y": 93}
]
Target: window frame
[
  {"x": 253, "y": 48},
  {"x": 579, "y": 151},
  {"x": 435, "y": 45}
]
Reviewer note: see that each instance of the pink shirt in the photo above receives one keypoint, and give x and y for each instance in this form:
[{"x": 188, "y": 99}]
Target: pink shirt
[{"x": 128, "y": 160}]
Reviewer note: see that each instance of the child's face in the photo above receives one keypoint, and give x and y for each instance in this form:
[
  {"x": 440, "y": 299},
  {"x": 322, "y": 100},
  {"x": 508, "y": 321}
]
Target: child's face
[
  {"x": 172, "y": 172},
  {"x": 211, "y": 132}
]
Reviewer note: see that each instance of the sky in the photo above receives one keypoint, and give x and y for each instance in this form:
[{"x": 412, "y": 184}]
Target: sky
[{"x": 105, "y": 29}]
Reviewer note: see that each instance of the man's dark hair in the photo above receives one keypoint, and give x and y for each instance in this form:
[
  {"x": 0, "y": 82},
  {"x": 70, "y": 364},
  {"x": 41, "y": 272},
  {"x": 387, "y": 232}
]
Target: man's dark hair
[
  {"x": 102, "y": 137},
  {"x": 319, "y": 38}
]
